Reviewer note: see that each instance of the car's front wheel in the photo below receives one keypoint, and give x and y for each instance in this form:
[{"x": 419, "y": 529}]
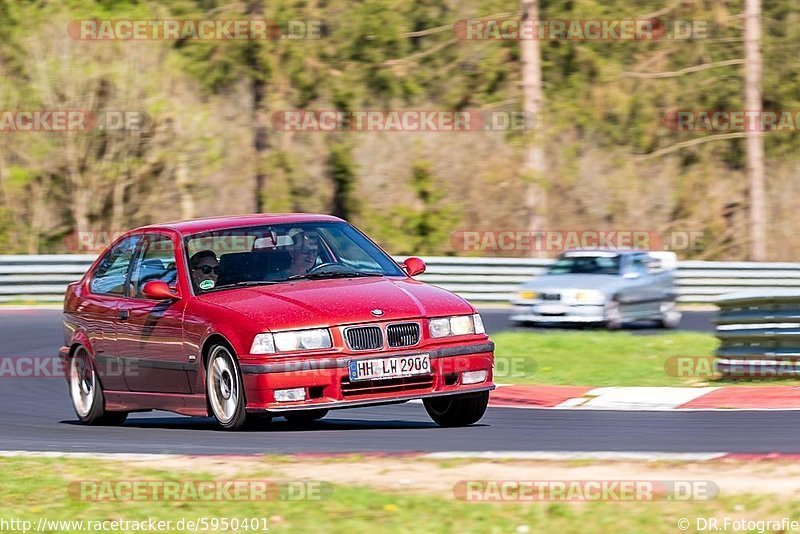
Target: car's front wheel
[
  {"x": 613, "y": 315},
  {"x": 224, "y": 389},
  {"x": 670, "y": 315},
  {"x": 86, "y": 392},
  {"x": 457, "y": 410}
]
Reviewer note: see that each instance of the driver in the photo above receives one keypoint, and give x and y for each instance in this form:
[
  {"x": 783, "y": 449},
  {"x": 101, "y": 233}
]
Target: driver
[
  {"x": 205, "y": 269},
  {"x": 304, "y": 252}
]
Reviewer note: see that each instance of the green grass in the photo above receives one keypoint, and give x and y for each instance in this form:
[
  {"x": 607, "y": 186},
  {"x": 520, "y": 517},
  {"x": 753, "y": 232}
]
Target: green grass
[
  {"x": 602, "y": 358},
  {"x": 596, "y": 358},
  {"x": 31, "y": 488}
]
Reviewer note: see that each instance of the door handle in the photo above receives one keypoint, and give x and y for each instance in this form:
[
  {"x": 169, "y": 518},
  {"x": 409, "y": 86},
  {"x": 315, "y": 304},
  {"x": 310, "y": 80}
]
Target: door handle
[{"x": 124, "y": 315}]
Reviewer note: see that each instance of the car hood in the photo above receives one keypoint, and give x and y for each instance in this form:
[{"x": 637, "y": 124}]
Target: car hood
[
  {"x": 310, "y": 303},
  {"x": 555, "y": 282}
]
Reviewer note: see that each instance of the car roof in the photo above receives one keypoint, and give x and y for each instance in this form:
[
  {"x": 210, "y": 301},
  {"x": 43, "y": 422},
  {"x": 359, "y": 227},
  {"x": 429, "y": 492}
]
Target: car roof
[{"x": 207, "y": 224}]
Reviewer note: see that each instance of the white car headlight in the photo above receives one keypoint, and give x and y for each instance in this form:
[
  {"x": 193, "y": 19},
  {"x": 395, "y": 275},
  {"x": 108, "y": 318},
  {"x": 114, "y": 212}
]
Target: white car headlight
[
  {"x": 457, "y": 325},
  {"x": 585, "y": 296},
  {"x": 317, "y": 338}
]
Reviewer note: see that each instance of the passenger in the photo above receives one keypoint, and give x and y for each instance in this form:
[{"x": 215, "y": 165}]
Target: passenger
[{"x": 304, "y": 252}]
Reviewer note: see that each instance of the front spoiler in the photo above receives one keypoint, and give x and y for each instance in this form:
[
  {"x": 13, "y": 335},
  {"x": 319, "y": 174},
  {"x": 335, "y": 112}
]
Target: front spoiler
[{"x": 337, "y": 405}]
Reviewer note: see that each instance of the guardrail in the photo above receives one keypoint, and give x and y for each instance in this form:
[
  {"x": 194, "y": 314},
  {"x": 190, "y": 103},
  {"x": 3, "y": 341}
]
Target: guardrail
[
  {"x": 43, "y": 278},
  {"x": 759, "y": 333}
]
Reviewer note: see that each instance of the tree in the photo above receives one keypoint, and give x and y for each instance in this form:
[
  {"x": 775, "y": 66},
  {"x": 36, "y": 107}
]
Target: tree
[
  {"x": 342, "y": 171},
  {"x": 257, "y": 68},
  {"x": 534, "y": 167},
  {"x": 755, "y": 139}
]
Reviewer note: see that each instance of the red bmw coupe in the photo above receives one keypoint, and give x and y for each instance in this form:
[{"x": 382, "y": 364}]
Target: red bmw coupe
[{"x": 250, "y": 317}]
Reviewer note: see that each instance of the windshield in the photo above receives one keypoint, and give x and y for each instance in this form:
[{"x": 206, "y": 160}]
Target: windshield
[
  {"x": 260, "y": 255},
  {"x": 600, "y": 264}
]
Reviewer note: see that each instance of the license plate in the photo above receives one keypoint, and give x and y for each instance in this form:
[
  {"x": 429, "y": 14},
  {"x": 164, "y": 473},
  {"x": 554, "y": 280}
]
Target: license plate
[
  {"x": 551, "y": 309},
  {"x": 384, "y": 368}
]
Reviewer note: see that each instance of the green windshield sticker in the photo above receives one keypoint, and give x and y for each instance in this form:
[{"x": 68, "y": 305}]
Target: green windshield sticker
[{"x": 206, "y": 284}]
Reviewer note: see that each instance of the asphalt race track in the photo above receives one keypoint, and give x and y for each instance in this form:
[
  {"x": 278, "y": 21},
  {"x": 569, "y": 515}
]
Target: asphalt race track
[{"x": 35, "y": 415}]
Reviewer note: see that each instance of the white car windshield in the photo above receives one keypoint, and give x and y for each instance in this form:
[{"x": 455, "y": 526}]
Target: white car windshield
[{"x": 585, "y": 264}]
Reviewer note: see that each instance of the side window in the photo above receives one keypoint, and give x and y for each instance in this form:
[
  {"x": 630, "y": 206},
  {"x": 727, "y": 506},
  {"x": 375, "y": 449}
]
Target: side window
[
  {"x": 639, "y": 264},
  {"x": 156, "y": 263},
  {"x": 111, "y": 274}
]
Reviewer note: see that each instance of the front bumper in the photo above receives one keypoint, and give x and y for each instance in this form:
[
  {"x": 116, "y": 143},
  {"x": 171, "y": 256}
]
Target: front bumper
[
  {"x": 327, "y": 383},
  {"x": 574, "y": 313}
]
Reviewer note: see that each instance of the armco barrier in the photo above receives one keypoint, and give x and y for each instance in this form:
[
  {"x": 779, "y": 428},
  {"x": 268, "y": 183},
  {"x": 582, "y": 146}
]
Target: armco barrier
[
  {"x": 759, "y": 333},
  {"x": 43, "y": 278}
]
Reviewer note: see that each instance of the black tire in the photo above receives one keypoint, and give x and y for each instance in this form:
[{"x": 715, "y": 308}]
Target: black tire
[
  {"x": 305, "y": 417},
  {"x": 225, "y": 389},
  {"x": 86, "y": 392},
  {"x": 457, "y": 410}
]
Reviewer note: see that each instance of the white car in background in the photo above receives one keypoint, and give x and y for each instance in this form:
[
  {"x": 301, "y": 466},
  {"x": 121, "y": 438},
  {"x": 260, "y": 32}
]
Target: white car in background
[{"x": 609, "y": 287}]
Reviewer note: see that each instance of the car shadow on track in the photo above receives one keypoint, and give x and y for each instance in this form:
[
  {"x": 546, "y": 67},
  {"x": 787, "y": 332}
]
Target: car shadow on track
[{"x": 278, "y": 425}]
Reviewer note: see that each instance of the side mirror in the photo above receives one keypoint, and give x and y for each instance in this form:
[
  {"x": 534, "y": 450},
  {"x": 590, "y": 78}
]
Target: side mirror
[
  {"x": 158, "y": 290},
  {"x": 414, "y": 266}
]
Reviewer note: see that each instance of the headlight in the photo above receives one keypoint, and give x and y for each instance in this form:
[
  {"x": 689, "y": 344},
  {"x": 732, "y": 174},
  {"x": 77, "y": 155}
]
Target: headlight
[
  {"x": 586, "y": 296},
  {"x": 458, "y": 325},
  {"x": 440, "y": 327},
  {"x": 318, "y": 338},
  {"x": 527, "y": 294},
  {"x": 263, "y": 344}
]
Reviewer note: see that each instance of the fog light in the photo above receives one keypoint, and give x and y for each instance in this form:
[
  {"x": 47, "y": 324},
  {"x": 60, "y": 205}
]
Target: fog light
[
  {"x": 289, "y": 395},
  {"x": 473, "y": 377}
]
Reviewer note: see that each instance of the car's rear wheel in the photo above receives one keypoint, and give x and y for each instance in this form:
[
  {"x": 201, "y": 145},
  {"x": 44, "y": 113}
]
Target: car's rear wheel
[
  {"x": 457, "y": 410},
  {"x": 86, "y": 392},
  {"x": 224, "y": 389},
  {"x": 305, "y": 417}
]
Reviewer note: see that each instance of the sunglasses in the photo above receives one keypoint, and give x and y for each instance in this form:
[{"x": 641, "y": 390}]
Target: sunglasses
[{"x": 207, "y": 269}]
